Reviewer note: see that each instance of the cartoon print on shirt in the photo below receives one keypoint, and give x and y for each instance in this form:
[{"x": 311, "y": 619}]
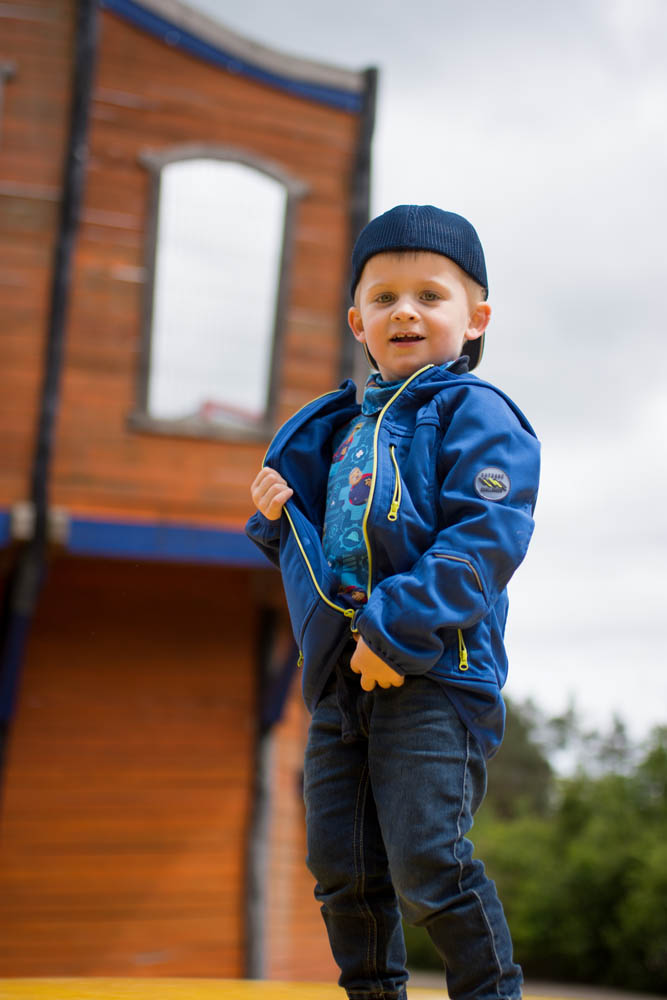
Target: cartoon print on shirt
[
  {"x": 355, "y": 595},
  {"x": 360, "y": 485},
  {"x": 342, "y": 449},
  {"x": 349, "y": 488}
]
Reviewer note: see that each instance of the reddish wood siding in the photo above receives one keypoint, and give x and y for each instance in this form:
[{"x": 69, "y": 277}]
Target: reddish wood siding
[
  {"x": 127, "y": 793},
  {"x": 151, "y": 97},
  {"x": 128, "y": 783},
  {"x": 297, "y": 944},
  {"x": 32, "y": 141}
]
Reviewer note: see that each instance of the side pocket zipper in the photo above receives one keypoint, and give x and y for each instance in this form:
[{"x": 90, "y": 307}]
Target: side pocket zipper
[
  {"x": 398, "y": 489},
  {"x": 463, "y": 652}
]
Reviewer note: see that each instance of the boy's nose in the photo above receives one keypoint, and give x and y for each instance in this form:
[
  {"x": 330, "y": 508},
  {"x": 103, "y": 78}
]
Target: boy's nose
[{"x": 404, "y": 310}]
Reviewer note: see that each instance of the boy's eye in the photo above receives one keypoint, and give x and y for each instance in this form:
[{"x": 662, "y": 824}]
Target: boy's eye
[
  {"x": 385, "y": 297},
  {"x": 430, "y": 296}
]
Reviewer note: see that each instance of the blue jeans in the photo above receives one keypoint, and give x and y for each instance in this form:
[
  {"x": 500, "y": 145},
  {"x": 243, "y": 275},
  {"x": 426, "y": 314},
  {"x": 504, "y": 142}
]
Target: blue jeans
[{"x": 392, "y": 780}]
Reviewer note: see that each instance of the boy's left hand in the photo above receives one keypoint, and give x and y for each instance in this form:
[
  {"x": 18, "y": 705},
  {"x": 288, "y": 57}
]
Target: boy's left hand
[{"x": 373, "y": 670}]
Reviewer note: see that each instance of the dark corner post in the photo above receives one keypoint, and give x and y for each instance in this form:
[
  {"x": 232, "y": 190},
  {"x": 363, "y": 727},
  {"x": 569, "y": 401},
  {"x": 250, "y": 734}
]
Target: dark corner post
[
  {"x": 258, "y": 836},
  {"x": 25, "y": 579},
  {"x": 276, "y": 659},
  {"x": 360, "y": 199}
]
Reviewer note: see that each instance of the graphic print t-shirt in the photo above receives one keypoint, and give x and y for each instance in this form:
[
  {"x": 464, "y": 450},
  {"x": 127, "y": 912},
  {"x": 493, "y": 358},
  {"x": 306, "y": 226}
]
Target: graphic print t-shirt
[{"x": 350, "y": 481}]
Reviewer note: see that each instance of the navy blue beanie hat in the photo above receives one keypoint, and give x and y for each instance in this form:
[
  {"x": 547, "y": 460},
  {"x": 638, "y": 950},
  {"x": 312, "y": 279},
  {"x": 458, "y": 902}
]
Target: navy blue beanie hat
[{"x": 424, "y": 227}]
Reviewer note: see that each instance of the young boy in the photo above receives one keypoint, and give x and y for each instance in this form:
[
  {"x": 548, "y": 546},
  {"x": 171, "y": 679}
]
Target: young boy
[{"x": 397, "y": 526}]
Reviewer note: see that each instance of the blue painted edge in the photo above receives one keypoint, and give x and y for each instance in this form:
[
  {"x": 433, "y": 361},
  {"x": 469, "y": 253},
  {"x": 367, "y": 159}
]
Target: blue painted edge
[
  {"x": 159, "y": 542},
  {"x": 179, "y": 38},
  {"x": 4, "y": 528},
  {"x": 166, "y": 542}
]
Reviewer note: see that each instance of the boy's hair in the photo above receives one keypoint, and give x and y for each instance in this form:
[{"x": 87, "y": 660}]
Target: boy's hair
[{"x": 425, "y": 227}]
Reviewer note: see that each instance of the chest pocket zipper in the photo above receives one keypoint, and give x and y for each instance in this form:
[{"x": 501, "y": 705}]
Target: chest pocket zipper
[
  {"x": 398, "y": 489},
  {"x": 463, "y": 653}
]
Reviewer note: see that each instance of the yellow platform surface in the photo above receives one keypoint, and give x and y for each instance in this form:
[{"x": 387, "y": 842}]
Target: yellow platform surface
[
  {"x": 183, "y": 989},
  {"x": 178, "y": 989}
]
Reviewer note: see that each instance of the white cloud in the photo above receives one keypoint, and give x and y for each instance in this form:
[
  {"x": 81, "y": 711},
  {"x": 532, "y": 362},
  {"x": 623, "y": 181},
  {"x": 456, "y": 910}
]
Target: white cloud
[{"x": 544, "y": 124}]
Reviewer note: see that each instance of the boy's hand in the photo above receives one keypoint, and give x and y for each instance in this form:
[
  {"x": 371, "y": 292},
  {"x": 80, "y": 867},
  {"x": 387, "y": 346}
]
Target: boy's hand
[
  {"x": 270, "y": 493},
  {"x": 373, "y": 670}
]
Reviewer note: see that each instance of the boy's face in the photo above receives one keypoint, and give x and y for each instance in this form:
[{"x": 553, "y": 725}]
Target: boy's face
[{"x": 414, "y": 309}]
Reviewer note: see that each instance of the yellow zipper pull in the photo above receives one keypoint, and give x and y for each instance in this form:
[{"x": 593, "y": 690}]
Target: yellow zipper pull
[
  {"x": 396, "y": 499},
  {"x": 463, "y": 652},
  {"x": 299, "y": 662}
]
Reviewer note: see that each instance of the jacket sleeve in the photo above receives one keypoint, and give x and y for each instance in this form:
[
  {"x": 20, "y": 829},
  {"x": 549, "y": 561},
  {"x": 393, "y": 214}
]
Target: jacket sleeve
[
  {"x": 266, "y": 535},
  {"x": 484, "y": 537}
]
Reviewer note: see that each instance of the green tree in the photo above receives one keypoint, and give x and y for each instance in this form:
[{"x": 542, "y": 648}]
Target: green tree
[
  {"x": 584, "y": 886},
  {"x": 520, "y": 776},
  {"x": 581, "y": 866}
]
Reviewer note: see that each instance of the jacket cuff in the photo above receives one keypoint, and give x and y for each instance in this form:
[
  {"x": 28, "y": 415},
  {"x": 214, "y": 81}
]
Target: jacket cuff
[
  {"x": 263, "y": 531},
  {"x": 383, "y": 649}
]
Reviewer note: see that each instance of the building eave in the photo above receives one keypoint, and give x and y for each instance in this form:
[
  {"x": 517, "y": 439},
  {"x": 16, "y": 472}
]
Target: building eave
[{"x": 181, "y": 26}]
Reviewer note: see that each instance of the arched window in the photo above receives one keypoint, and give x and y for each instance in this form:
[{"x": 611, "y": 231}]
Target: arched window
[{"x": 216, "y": 293}]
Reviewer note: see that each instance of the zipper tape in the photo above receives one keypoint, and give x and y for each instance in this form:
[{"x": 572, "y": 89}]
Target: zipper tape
[
  {"x": 463, "y": 652},
  {"x": 398, "y": 489},
  {"x": 375, "y": 464},
  {"x": 298, "y": 418},
  {"x": 466, "y": 562},
  {"x": 348, "y": 612}
]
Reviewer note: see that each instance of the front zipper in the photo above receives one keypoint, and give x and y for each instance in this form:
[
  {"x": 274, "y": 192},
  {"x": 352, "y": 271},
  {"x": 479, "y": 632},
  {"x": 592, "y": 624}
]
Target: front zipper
[
  {"x": 298, "y": 418},
  {"x": 375, "y": 464},
  {"x": 398, "y": 489},
  {"x": 348, "y": 612}
]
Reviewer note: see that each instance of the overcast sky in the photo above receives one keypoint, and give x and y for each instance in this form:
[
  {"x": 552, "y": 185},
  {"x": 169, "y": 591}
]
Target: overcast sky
[{"x": 545, "y": 124}]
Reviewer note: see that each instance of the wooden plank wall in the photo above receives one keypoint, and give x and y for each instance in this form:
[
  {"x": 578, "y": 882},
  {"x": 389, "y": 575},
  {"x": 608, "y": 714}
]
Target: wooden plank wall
[
  {"x": 297, "y": 946},
  {"x": 127, "y": 791},
  {"x": 37, "y": 38},
  {"x": 126, "y": 795},
  {"x": 149, "y": 96}
]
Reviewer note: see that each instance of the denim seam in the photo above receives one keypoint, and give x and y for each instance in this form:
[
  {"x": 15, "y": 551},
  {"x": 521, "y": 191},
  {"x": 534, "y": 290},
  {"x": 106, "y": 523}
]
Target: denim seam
[
  {"x": 356, "y": 995},
  {"x": 360, "y": 873},
  {"x": 459, "y": 836}
]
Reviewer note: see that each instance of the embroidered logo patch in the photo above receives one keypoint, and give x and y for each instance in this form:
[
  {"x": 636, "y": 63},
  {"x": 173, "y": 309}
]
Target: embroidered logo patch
[{"x": 492, "y": 484}]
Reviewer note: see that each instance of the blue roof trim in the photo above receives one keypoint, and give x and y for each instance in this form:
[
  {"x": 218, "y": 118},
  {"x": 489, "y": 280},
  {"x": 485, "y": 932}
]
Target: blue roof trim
[
  {"x": 146, "y": 540},
  {"x": 178, "y": 37},
  {"x": 165, "y": 542},
  {"x": 4, "y": 527}
]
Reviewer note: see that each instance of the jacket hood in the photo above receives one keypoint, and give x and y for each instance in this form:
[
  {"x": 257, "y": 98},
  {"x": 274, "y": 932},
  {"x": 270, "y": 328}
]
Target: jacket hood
[{"x": 435, "y": 378}]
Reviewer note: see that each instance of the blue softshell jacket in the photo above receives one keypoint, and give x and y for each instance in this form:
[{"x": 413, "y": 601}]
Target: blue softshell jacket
[{"x": 448, "y": 520}]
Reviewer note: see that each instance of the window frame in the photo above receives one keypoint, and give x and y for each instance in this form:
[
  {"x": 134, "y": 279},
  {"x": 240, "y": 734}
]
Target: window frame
[
  {"x": 7, "y": 73},
  {"x": 295, "y": 189}
]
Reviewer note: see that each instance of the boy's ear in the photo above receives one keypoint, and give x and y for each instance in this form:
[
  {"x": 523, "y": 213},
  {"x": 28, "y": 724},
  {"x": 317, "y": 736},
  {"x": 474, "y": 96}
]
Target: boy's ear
[
  {"x": 356, "y": 324},
  {"x": 479, "y": 320}
]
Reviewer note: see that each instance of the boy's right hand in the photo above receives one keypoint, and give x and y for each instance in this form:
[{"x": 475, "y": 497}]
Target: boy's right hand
[{"x": 270, "y": 493}]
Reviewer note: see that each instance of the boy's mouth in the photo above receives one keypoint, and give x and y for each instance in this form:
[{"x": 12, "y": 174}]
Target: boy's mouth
[{"x": 410, "y": 338}]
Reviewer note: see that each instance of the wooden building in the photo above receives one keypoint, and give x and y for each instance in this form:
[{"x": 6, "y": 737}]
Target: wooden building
[{"x": 177, "y": 206}]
